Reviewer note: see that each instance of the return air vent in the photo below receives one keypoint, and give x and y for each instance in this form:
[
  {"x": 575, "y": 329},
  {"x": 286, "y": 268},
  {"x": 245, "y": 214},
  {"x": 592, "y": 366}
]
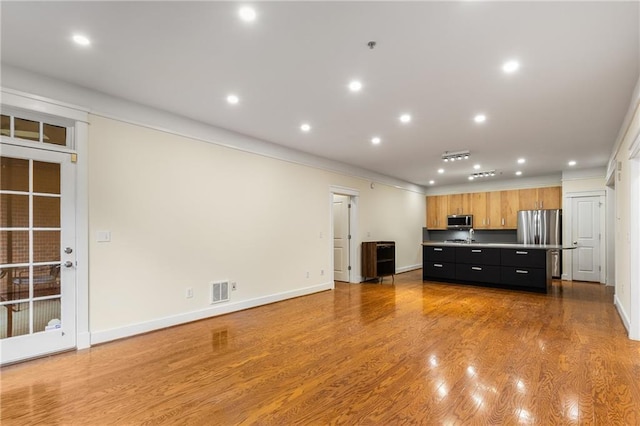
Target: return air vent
[{"x": 219, "y": 291}]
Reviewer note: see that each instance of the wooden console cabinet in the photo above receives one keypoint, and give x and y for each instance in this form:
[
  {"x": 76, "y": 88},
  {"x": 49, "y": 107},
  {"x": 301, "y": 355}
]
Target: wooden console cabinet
[{"x": 378, "y": 259}]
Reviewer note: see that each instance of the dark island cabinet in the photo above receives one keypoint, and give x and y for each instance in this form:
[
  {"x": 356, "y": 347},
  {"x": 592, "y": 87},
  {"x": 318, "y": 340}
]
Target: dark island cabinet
[{"x": 527, "y": 269}]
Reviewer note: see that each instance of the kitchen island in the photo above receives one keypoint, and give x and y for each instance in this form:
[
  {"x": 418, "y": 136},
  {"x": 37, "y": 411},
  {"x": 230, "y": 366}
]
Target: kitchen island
[{"x": 506, "y": 265}]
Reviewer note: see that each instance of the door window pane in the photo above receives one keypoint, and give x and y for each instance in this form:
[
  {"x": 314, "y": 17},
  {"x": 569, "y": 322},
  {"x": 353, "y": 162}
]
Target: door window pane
[
  {"x": 46, "y": 313},
  {"x": 26, "y": 129},
  {"x": 5, "y": 125},
  {"x": 46, "y": 246},
  {"x": 46, "y": 212},
  {"x": 46, "y": 177},
  {"x": 15, "y": 247},
  {"x": 55, "y": 135},
  {"x": 14, "y": 211},
  {"x": 14, "y": 174},
  {"x": 14, "y": 320},
  {"x": 12, "y": 285}
]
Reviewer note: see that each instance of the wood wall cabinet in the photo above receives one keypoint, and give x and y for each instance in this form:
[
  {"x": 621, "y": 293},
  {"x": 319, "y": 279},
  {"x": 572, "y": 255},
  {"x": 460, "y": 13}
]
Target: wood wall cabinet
[
  {"x": 378, "y": 259},
  {"x": 480, "y": 210},
  {"x": 437, "y": 211},
  {"x": 458, "y": 204},
  {"x": 540, "y": 198},
  {"x": 491, "y": 210}
]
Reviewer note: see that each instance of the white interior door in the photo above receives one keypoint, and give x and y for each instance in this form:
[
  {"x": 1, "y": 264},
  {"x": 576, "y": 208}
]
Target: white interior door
[
  {"x": 37, "y": 253},
  {"x": 586, "y": 236},
  {"x": 340, "y": 238}
]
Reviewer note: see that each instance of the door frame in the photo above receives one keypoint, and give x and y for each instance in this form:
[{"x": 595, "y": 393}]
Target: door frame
[
  {"x": 39, "y": 106},
  {"x": 354, "y": 262},
  {"x": 567, "y": 219},
  {"x": 634, "y": 238}
]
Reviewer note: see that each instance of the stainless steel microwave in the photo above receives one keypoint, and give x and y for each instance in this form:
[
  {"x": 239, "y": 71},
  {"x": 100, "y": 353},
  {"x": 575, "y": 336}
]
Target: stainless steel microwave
[{"x": 460, "y": 221}]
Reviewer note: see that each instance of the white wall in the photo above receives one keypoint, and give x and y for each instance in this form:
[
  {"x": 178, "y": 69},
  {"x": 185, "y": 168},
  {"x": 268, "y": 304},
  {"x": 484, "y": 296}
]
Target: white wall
[
  {"x": 619, "y": 171},
  {"x": 183, "y": 213}
]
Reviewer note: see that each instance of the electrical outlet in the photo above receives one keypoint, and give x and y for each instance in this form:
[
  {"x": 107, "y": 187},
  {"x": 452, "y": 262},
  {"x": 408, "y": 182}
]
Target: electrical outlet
[
  {"x": 234, "y": 287},
  {"x": 307, "y": 274},
  {"x": 322, "y": 272},
  {"x": 189, "y": 293}
]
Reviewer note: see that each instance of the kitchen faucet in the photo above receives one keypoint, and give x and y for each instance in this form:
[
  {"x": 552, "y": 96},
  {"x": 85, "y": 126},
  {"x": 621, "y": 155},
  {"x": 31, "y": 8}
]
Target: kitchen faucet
[{"x": 470, "y": 238}]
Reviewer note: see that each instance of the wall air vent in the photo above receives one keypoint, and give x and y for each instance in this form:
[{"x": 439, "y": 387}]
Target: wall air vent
[{"x": 219, "y": 291}]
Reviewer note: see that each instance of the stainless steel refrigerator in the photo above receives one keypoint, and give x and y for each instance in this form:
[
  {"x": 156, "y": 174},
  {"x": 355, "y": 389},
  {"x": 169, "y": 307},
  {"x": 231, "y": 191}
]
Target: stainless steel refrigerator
[{"x": 542, "y": 227}]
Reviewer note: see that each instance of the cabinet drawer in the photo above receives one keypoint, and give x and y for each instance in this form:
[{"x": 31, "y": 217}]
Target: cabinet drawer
[
  {"x": 438, "y": 254},
  {"x": 478, "y": 255},
  {"x": 440, "y": 270},
  {"x": 478, "y": 273},
  {"x": 526, "y": 258},
  {"x": 524, "y": 277}
]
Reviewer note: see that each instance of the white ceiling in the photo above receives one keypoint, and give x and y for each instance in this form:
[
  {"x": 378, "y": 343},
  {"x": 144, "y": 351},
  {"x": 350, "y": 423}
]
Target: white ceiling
[{"x": 439, "y": 61}]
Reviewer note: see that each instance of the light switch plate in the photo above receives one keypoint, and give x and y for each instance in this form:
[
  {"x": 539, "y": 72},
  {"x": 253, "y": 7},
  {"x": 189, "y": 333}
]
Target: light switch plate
[{"x": 104, "y": 236}]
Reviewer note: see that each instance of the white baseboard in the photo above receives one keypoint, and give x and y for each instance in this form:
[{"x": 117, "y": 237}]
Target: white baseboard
[
  {"x": 83, "y": 340},
  {"x": 623, "y": 315},
  {"x": 408, "y": 268},
  {"x": 212, "y": 311},
  {"x": 565, "y": 277}
]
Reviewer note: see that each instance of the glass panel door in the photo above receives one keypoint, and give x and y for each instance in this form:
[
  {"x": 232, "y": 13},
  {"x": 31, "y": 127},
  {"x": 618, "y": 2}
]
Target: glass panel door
[{"x": 37, "y": 260}]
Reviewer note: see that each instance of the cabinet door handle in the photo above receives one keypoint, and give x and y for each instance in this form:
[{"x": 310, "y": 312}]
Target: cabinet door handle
[
  {"x": 541, "y": 204},
  {"x": 503, "y": 221},
  {"x": 476, "y": 251},
  {"x": 520, "y": 271},
  {"x": 437, "y": 249},
  {"x": 437, "y": 265},
  {"x": 522, "y": 252},
  {"x": 476, "y": 268}
]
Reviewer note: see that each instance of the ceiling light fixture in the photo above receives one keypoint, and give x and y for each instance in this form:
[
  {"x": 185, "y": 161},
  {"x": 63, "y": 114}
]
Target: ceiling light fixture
[
  {"x": 572, "y": 163},
  {"x": 488, "y": 173},
  {"x": 480, "y": 118},
  {"x": 81, "y": 40},
  {"x": 457, "y": 155},
  {"x": 376, "y": 140},
  {"x": 471, "y": 178},
  {"x": 405, "y": 118},
  {"x": 247, "y": 14},
  {"x": 476, "y": 167},
  {"x": 431, "y": 182},
  {"x": 510, "y": 67},
  {"x": 233, "y": 99},
  {"x": 518, "y": 173},
  {"x": 521, "y": 160},
  {"x": 305, "y": 127},
  {"x": 441, "y": 171},
  {"x": 355, "y": 86}
]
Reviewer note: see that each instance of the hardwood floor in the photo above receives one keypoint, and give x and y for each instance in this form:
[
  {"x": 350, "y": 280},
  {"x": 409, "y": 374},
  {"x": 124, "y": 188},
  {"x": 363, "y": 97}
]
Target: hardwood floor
[{"x": 409, "y": 353}]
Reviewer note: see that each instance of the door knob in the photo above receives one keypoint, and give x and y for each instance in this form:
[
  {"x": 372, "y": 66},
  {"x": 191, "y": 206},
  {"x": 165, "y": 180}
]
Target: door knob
[
  {"x": 68, "y": 264},
  {"x": 68, "y": 250},
  {"x": 575, "y": 243}
]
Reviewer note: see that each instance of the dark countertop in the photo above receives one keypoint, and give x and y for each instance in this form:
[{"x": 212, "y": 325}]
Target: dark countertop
[{"x": 498, "y": 245}]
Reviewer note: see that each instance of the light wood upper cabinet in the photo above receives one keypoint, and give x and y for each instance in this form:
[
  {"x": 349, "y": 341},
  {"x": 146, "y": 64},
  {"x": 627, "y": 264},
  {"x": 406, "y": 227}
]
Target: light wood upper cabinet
[
  {"x": 479, "y": 210},
  {"x": 459, "y": 204},
  {"x": 541, "y": 198},
  {"x": 437, "y": 211},
  {"x": 491, "y": 210},
  {"x": 550, "y": 198},
  {"x": 509, "y": 205}
]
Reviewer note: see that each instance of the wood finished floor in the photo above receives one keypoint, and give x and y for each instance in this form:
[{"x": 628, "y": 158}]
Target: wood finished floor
[{"x": 370, "y": 354}]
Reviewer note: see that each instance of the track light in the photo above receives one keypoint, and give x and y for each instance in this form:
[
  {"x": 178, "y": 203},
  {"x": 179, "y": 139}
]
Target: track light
[
  {"x": 457, "y": 155},
  {"x": 488, "y": 173}
]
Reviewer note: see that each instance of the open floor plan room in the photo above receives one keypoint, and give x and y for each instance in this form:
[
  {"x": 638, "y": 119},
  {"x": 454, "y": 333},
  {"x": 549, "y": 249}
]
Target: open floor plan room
[{"x": 409, "y": 353}]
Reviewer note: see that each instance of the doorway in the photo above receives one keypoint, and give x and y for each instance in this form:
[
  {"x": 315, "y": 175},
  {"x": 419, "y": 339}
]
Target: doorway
[
  {"x": 341, "y": 237},
  {"x": 586, "y": 236},
  {"x": 37, "y": 253}
]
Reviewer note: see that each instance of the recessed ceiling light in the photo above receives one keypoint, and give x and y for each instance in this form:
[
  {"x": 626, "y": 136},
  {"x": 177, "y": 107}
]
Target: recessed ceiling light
[
  {"x": 441, "y": 171},
  {"x": 572, "y": 163},
  {"x": 233, "y": 99},
  {"x": 470, "y": 178},
  {"x": 81, "y": 40},
  {"x": 476, "y": 166},
  {"x": 521, "y": 160},
  {"x": 510, "y": 66},
  {"x": 305, "y": 127},
  {"x": 431, "y": 182},
  {"x": 480, "y": 118},
  {"x": 247, "y": 14},
  {"x": 518, "y": 173},
  {"x": 405, "y": 118},
  {"x": 375, "y": 140},
  {"x": 355, "y": 86}
]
